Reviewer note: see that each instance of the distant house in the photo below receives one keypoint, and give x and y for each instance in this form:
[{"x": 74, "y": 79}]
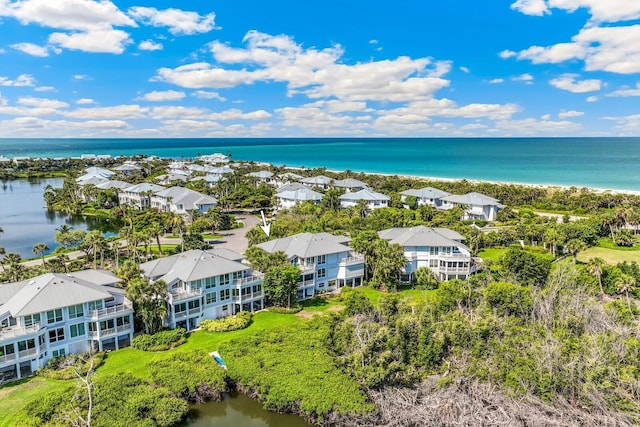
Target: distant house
[
  {"x": 289, "y": 177},
  {"x": 105, "y": 173},
  {"x": 182, "y": 201},
  {"x": 170, "y": 178},
  {"x": 205, "y": 285},
  {"x": 128, "y": 168},
  {"x": 220, "y": 170},
  {"x": 475, "y": 205},
  {"x": 263, "y": 177},
  {"x": 320, "y": 181},
  {"x": 426, "y": 196},
  {"x": 214, "y": 158},
  {"x": 289, "y": 198},
  {"x": 439, "y": 249},
  {"x": 57, "y": 314},
  {"x": 138, "y": 195},
  {"x": 326, "y": 262},
  {"x": 113, "y": 185},
  {"x": 350, "y": 184},
  {"x": 373, "y": 199}
]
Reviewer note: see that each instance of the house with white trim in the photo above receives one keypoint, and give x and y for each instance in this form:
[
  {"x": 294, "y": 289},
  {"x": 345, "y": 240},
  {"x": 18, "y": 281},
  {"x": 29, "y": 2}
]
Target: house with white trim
[
  {"x": 56, "y": 314},
  {"x": 205, "y": 285},
  {"x": 263, "y": 177},
  {"x": 139, "y": 195},
  {"x": 475, "y": 205},
  {"x": 292, "y": 194},
  {"x": 326, "y": 262},
  {"x": 182, "y": 201},
  {"x": 350, "y": 184},
  {"x": 439, "y": 249},
  {"x": 289, "y": 177},
  {"x": 319, "y": 181},
  {"x": 425, "y": 196},
  {"x": 373, "y": 199}
]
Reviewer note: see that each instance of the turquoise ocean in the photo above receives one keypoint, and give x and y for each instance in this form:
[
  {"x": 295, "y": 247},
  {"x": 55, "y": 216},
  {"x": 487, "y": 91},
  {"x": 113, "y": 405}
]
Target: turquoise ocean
[{"x": 607, "y": 163}]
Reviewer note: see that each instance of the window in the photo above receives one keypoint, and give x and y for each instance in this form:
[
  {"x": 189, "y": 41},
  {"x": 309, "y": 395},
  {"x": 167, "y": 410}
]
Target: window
[
  {"x": 26, "y": 345},
  {"x": 433, "y": 263},
  {"x": 257, "y": 288},
  {"x": 196, "y": 285},
  {"x": 6, "y": 323},
  {"x": 58, "y": 353},
  {"x": 180, "y": 308},
  {"x": 77, "y": 330},
  {"x": 56, "y": 335},
  {"x": 76, "y": 311},
  {"x": 106, "y": 324},
  {"x": 234, "y": 292},
  {"x": 210, "y": 298},
  {"x": 54, "y": 316},
  {"x": 245, "y": 292},
  {"x": 95, "y": 305},
  {"x": 433, "y": 250},
  {"x": 224, "y": 294},
  {"x": 322, "y": 273},
  {"x": 194, "y": 304},
  {"x": 210, "y": 282},
  {"x": 7, "y": 350},
  {"x": 322, "y": 259},
  {"x": 31, "y": 320},
  {"x": 225, "y": 279}
]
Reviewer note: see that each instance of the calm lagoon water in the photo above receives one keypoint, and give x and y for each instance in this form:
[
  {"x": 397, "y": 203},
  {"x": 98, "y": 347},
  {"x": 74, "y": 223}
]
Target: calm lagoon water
[
  {"x": 238, "y": 410},
  {"x": 26, "y": 221}
]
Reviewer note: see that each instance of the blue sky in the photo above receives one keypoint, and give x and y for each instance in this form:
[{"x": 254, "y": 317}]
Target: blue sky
[{"x": 82, "y": 68}]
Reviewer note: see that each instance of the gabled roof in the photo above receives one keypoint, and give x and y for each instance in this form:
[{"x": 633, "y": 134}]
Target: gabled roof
[
  {"x": 350, "y": 183},
  {"x": 422, "y": 236},
  {"x": 113, "y": 184},
  {"x": 128, "y": 167},
  {"x": 426, "y": 193},
  {"x": 261, "y": 174},
  {"x": 192, "y": 265},
  {"x": 317, "y": 180},
  {"x": 307, "y": 245},
  {"x": 291, "y": 176},
  {"x": 300, "y": 195},
  {"x": 93, "y": 170},
  {"x": 219, "y": 170},
  {"x": 144, "y": 187},
  {"x": 365, "y": 194},
  {"x": 53, "y": 290},
  {"x": 190, "y": 199},
  {"x": 91, "y": 180},
  {"x": 292, "y": 186},
  {"x": 472, "y": 199}
]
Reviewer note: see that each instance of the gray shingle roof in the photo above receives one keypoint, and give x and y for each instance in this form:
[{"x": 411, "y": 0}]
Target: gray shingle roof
[
  {"x": 317, "y": 180},
  {"x": 191, "y": 265},
  {"x": 300, "y": 195},
  {"x": 144, "y": 187},
  {"x": 422, "y": 236},
  {"x": 113, "y": 184},
  {"x": 292, "y": 186},
  {"x": 365, "y": 194},
  {"x": 426, "y": 193},
  {"x": 350, "y": 183},
  {"x": 307, "y": 245},
  {"x": 261, "y": 174},
  {"x": 472, "y": 199}
]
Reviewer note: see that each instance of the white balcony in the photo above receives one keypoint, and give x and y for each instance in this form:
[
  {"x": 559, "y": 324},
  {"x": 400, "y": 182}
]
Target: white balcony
[
  {"x": 255, "y": 278},
  {"x": 181, "y": 294},
  {"x": 8, "y": 358},
  {"x": 108, "y": 311},
  {"x": 307, "y": 268},
  {"x": 28, "y": 352},
  {"x": 356, "y": 259},
  {"x": 17, "y": 331}
]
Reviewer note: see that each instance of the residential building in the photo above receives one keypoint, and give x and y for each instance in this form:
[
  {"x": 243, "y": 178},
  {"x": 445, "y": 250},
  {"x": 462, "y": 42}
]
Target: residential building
[
  {"x": 290, "y": 198},
  {"x": 425, "y": 196},
  {"x": 263, "y": 177},
  {"x": 326, "y": 261},
  {"x": 171, "y": 178},
  {"x": 57, "y": 314},
  {"x": 205, "y": 285},
  {"x": 138, "y": 195},
  {"x": 289, "y": 177},
  {"x": 373, "y": 199},
  {"x": 319, "y": 181},
  {"x": 350, "y": 184},
  {"x": 182, "y": 201},
  {"x": 439, "y": 249},
  {"x": 475, "y": 205},
  {"x": 113, "y": 185}
]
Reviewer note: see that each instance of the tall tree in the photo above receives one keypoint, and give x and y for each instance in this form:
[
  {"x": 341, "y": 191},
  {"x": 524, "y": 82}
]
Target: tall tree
[
  {"x": 281, "y": 284},
  {"x": 40, "y": 249},
  {"x": 149, "y": 298},
  {"x": 625, "y": 284},
  {"x": 595, "y": 267},
  {"x": 575, "y": 246}
]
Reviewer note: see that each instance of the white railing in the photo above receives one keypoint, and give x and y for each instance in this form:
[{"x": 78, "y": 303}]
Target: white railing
[
  {"x": 107, "y": 332},
  {"x": 247, "y": 297},
  {"x": 107, "y": 311},
  {"x": 250, "y": 279},
  {"x": 307, "y": 267},
  {"x": 123, "y": 328},
  {"x": 27, "y": 352},
  {"x": 306, "y": 283},
  {"x": 8, "y": 358},
  {"x": 177, "y": 295},
  {"x": 356, "y": 259},
  {"x": 180, "y": 315},
  {"x": 17, "y": 331},
  {"x": 194, "y": 311},
  {"x": 455, "y": 256}
]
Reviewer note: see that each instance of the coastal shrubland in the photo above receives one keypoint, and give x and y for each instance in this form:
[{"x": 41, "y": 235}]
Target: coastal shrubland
[
  {"x": 160, "y": 341},
  {"x": 227, "y": 324}
]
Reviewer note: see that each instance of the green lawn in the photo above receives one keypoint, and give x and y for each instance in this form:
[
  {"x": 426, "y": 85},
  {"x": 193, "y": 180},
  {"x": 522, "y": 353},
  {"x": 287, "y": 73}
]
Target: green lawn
[
  {"x": 611, "y": 256},
  {"x": 493, "y": 254},
  {"x": 15, "y": 396}
]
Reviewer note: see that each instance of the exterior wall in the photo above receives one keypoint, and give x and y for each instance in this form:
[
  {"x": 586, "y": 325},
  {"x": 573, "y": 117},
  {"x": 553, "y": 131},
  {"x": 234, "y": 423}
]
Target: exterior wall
[
  {"x": 371, "y": 205},
  {"x": 289, "y": 203},
  {"x": 329, "y": 272},
  {"x": 134, "y": 199},
  {"x": 446, "y": 262},
  {"x": 436, "y": 203},
  {"x": 28, "y": 346}
]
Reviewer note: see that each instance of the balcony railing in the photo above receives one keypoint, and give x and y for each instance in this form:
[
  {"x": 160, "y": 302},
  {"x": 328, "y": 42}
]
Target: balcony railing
[
  {"x": 17, "y": 331},
  {"x": 123, "y": 328},
  {"x": 306, "y": 283},
  {"x": 307, "y": 268},
  {"x": 247, "y": 297},
  {"x": 8, "y": 358},
  {"x": 177, "y": 295},
  {"x": 108, "y": 311},
  {"x": 356, "y": 259},
  {"x": 250, "y": 279},
  {"x": 194, "y": 311},
  {"x": 27, "y": 352}
]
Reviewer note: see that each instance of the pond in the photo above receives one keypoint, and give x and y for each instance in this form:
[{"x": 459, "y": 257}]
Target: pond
[
  {"x": 238, "y": 410},
  {"x": 26, "y": 221}
]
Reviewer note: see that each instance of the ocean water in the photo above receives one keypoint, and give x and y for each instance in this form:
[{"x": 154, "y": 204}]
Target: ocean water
[{"x": 612, "y": 163}]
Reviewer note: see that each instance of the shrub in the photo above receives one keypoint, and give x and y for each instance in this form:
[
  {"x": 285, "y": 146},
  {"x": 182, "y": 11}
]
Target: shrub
[
  {"x": 509, "y": 299},
  {"x": 228, "y": 324},
  {"x": 163, "y": 340},
  {"x": 62, "y": 368},
  {"x": 284, "y": 310}
]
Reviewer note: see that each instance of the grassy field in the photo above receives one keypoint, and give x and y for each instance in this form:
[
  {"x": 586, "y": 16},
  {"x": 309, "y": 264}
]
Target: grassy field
[
  {"x": 492, "y": 253},
  {"x": 14, "y": 396},
  {"x": 611, "y": 256}
]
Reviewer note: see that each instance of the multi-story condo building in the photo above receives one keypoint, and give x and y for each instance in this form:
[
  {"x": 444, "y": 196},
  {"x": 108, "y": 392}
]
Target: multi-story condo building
[
  {"x": 326, "y": 261},
  {"x": 138, "y": 195},
  {"x": 182, "y": 200},
  {"x": 439, "y": 249},
  {"x": 205, "y": 285},
  {"x": 57, "y": 314}
]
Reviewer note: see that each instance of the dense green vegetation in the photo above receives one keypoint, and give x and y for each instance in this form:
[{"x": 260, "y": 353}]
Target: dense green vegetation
[
  {"x": 227, "y": 324},
  {"x": 160, "y": 341}
]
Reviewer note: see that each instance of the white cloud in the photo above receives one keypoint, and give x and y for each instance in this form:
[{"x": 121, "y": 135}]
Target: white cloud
[
  {"x": 569, "y": 114},
  {"x": 150, "y": 45},
  {"x": 373, "y": 41},
  {"x": 161, "y": 96},
  {"x": 600, "y": 10},
  {"x": 31, "y": 49},
  {"x": 314, "y": 73},
  {"x": 36, "y": 127},
  {"x": 592, "y": 98},
  {"x": 626, "y": 91},
  {"x": 208, "y": 95},
  {"x": 42, "y": 103},
  {"x": 546, "y": 117},
  {"x": 124, "y": 112},
  {"x": 21, "y": 80},
  {"x": 178, "y": 21},
  {"x": 570, "y": 83},
  {"x": 235, "y": 114},
  {"x": 506, "y": 54},
  {"x": 496, "y": 81},
  {"x": 532, "y": 126},
  {"x": 526, "y": 77},
  {"x": 44, "y": 89},
  {"x": 85, "y": 101},
  {"x": 626, "y": 125},
  {"x": 81, "y": 77},
  {"x": 95, "y": 41},
  {"x": 465, "y": 70},
  {"x": 531, "y": 7}
]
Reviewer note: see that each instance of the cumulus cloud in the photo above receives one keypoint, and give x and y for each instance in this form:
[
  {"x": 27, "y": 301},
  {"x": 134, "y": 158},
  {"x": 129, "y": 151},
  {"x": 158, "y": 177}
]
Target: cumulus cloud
[
  {"x": 569, "y": 82},
  {"x": 124, "y": 112},
  {"x": 33, "y": 127},
  {"x": 526, "y": 77},
  {"x": 626, "y": 91},
  {"x": 600, "y": 10},
  {"x": 95, "y": 41},
  {"x": 85, "y": 101},
  {"x": 496, "y": 81},
  {"x": 531, "y": 7},
  {"x": 82, "y": 77},
  {"x": 204, "y": 94},
  {"x": 32, "y": 49},
  {"x": 178, "y": 21},
  {"x": 150, "y": 45},
  {"x": 569, "y": 114},
  {"x": 592, "y": 98},
  {"x": 531, "y": 126},
  {"x": 21, "y": 80},
  {"x": 161, "y": 96},
  {"x": 626, "y": 125},
  {"x": 44, "y": 89},
  {"x": 42, "y": 103}
]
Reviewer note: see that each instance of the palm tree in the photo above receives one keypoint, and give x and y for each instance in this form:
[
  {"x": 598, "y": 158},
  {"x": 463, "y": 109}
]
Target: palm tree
[
  {"x": 626, "y": 283},
  {"x": 176, "y": 222},
  {"x": 41, "y": 248},
  {"x": 595, "y": 267},
  {"x": 95, "y": 242},
  {"x": 1, "y": 248},
  {"x": 149, "y": 298},
  {"x": 64, "y": 228},
  {"x": 155, "y": 232},
  {"x": 575, "y": 246},
  {"x": 13, "y": 261},
  {"x": 554, "y": 238}
]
